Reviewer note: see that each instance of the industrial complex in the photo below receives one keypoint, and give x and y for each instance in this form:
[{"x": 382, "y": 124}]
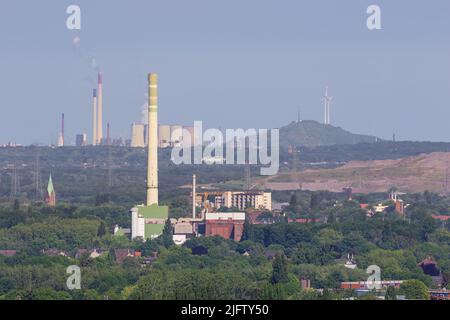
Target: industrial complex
[{"x": 148, "y": 219}]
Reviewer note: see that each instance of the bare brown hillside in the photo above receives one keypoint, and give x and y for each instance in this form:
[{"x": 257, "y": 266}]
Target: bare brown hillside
[{"x": 411, "y": 174}]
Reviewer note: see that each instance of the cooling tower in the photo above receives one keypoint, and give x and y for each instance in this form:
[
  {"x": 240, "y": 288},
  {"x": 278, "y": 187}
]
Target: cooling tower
[
  {"x": 176, "y": 135},
  {"x": 137, "y": 135},
  {"x": 164, "y": 136},
  {"x": 188, "y": 137}
]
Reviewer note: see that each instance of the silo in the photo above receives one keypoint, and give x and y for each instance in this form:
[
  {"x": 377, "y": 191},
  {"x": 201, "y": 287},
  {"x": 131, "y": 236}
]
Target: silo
[{"x": 188, "y": 137}]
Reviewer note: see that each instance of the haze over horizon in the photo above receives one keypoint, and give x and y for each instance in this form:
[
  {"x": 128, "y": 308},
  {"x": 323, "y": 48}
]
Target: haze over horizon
[{"x": 231, "y": 64}]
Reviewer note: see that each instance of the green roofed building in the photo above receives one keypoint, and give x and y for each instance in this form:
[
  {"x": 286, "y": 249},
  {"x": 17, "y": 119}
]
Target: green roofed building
[{"x": 148, "y": 222}]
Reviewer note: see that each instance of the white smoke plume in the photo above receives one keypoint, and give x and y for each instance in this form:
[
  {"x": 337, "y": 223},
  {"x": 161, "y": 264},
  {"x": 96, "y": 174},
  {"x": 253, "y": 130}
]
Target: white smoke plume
[
  {"x": 87, "y": 58},
  {"x": 144, "y": 110}
]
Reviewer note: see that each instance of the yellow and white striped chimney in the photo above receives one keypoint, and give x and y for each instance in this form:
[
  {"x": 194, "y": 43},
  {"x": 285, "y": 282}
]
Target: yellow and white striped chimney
[{"x": 152, "y": 138}]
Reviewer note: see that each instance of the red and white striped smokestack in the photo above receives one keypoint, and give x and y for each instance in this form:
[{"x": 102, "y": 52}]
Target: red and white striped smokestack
[{"x": 100, "y": 109}]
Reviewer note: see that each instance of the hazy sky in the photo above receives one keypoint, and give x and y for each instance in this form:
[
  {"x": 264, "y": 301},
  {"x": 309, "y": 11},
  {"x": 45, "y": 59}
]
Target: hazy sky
[{"x": 234, "y": 63}]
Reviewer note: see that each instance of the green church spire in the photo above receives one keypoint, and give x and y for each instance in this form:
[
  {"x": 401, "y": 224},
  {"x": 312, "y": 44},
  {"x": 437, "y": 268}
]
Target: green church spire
[{"x": 50, "y": 188}]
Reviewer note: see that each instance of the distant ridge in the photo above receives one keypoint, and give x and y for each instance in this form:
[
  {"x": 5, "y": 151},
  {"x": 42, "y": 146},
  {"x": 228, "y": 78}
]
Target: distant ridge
[{"x": 310, "y": 133}]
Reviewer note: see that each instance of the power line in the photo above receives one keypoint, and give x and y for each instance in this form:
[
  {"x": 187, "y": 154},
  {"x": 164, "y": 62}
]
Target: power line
[
  {"x": 110, "y": 179},
  {"x": 295, "y": 164},
  {"x": 14, "y": 179},
  {"x": 38, "y": 196},
  {"x": 247, "y": 176}
]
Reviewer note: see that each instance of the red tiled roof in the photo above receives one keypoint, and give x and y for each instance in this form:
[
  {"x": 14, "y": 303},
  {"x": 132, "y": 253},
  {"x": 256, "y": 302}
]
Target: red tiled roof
[
  {"x": 8, "y": 253},
  {"x": 121, "y": 254},
  {"x": 303, "y": 220},
  {"x": 427, "y": 261},
  {"x": 442, "y": 218}
]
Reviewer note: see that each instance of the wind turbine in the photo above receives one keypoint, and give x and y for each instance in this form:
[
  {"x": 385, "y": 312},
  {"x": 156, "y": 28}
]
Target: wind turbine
[{"x": 327, "y": 103}]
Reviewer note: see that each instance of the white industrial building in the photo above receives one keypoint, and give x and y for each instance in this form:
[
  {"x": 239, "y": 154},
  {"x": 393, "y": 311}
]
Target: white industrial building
[
  {"x": 225, "y": 216},
  {"x": 234, "y": 199},
  {"x": 168, "y": 136}
]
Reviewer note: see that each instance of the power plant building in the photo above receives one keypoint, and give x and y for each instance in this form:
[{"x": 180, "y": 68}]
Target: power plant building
[
  {"x": 176, "y": 136},
  {"x": 137, "y": 135},
  {"x": 164, "y": 136},
  {"x": 168, "y": 136},
  {"x": 148, "y": 222},
  {"x": 228, "y": 225},
  {"x": 81, "y": 140},
  {"x": 189, "y": 139}
]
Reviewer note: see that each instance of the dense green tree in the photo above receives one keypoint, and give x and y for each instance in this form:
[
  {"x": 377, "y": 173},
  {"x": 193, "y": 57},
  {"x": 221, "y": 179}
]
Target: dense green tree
[
  {"x": 314, "y": 202},
  {"x": 167, "y": 235},
  {"x": 102, "y": 198},
  {"x": 16, "y": 206},
  {"x": 248, "y": 231},
  {"x": 329, "y": 238},
  {"x": 279, "y": 269},
  {"x": 428, "y": 197},
  {"x": 391, "y": 293},
  {"x": 112, "y": 256},
  {"x": 414, "y": 289},
  {"x": 101, "y": 231},
  {"x": 149, "y": 247},
  {"x": 293, "y": 202}
]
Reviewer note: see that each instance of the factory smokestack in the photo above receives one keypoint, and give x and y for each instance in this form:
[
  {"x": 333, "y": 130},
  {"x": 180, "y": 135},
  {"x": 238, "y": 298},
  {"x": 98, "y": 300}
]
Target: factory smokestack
[
  {"x": 151, "y": 212},
  {"x": 61, "y": 134},
  {"x": 152, "y": 138},
  {"x": 62, "y": 127},
  {"x": 100, "y": 109},
  {"x": 94, "y": 119},
  {"x": 108, "y": 137},
  {"x": 194, "y": 195}
]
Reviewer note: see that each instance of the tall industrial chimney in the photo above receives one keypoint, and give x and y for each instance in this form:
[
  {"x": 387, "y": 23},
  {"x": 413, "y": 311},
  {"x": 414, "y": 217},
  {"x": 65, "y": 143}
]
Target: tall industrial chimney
[
  {"x": 62, "y": 128},
  {"x": 100, "y": 109},
  {"x": 152, "y": 138},
  {"x": 94, "y": 119},
  {"x": 61, "y": 133},
  {"x": 108, "y": 137},
  {"x": 193, "y": 195}
]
